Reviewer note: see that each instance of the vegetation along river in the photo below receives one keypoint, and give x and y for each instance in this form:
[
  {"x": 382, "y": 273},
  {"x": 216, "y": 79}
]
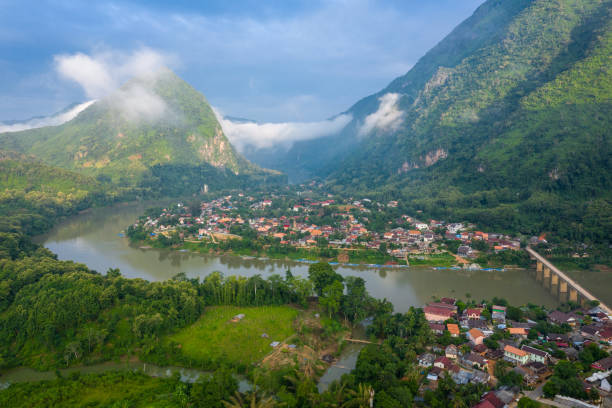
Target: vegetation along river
[{"x": 94, "y": 239}]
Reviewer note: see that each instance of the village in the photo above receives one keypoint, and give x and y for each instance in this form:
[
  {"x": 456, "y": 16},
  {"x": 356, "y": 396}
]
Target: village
[
  {"x": 342, "y": 226},
  {"x": 562, "y": 353}
]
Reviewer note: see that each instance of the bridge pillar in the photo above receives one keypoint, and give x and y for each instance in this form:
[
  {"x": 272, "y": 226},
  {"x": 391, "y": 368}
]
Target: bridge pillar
[
  {"x": 573, "y": 295},
  {"x": 554, "y": 283},
  {"x": 539, "y": 266},
  {"x": 546, "y": 278},
  {"x": 563, "y": 291},
  {"x": 539, "y": 272}
]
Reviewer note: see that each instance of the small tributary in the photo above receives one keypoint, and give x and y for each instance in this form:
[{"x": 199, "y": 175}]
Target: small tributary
[{"x": 347, "y": 360}]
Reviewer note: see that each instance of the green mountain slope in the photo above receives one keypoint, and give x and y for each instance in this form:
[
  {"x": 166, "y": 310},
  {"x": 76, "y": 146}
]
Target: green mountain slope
[
  {"x": 25, "y": 173},
  {"x": 149, "y": 122},
  {"x": 506, "y": 122}
]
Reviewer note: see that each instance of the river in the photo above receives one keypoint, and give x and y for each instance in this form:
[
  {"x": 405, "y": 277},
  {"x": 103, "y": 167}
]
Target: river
[{"x": 93, "y": 238}]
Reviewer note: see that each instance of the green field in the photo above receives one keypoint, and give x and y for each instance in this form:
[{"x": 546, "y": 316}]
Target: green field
[
  {"x": 443, "y": 259},
  {"x": 214, "y": 338}
]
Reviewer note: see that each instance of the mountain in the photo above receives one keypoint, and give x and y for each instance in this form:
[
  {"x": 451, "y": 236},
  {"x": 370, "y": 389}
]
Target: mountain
[
  {"x": 152, "y": 122},
  {"x": 506, "y": 122}
]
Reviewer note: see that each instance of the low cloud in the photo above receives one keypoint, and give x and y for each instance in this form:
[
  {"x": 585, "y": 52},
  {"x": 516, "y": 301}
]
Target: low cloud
[
  {"x": 387, "y": 118},
  {"x": 54, "y": 120},
  {"x": 267, "y": 135},
  {"x": 101, "y": 75}
]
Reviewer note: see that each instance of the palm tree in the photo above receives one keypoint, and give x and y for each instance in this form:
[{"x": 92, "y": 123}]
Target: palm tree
[
  {"x": 336, "y": 396},
  {"x": 252, "y": 400},
  {"x": 362, "y": 398},
  {"x": 458, "y": 402}
]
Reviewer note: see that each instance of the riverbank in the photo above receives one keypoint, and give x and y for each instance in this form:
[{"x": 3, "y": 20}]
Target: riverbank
[{"x": 440, "y": 261}]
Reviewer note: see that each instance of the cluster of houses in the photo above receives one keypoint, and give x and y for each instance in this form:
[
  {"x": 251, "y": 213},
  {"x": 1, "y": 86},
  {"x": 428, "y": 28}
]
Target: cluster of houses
[
  {"x": 473, "y": 361},
  {"x": 349, "y": 227}
]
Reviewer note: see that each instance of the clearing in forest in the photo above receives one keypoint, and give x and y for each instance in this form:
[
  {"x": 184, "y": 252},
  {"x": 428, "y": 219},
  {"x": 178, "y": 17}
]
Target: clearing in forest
[{"x": 214, "y": 337}]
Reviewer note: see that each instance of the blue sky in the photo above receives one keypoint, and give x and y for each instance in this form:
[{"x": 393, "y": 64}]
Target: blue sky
[{"x": 288, "y": 60}]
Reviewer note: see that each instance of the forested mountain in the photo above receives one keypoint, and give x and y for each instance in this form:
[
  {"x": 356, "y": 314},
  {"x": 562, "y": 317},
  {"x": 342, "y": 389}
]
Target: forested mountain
[
  {"x": 506, "y": 122},
  {"x": 156, "y": 121}
]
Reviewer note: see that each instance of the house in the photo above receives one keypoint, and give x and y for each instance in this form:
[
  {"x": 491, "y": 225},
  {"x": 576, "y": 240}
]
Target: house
[
  {"x": 484, "y": 404},
  {"x": 432, "y": 376},
  {"x": 518, "y": 331},
  {"x": 426, "y": 360},
  {"x": 480, "y": 377},
  {"x": 475, "y": 336},
  {"x": 479, "y": 348},
  {"x": 605, "y": 385},
  {"x": 590, "y": 331},
  {"x": 436, "y": 313},
  {"x": 451, "y": 351},
  {"x": 560, "y": 318},
  {"x": 436, "y": 328},
  {"x": 453, "y": 329},
  {"x": 606, "y": 334},
  {"x": 536, "y": 355},
  {"x": 604, "y": 364},
  {"x": 560, "y": 339},
  {"x": 515, "y": 355},
  {"x": 498, "y": 313},
  {"x": 473, "y": 314},
  {"x": 478, "y": 324},
  {"x": 464, "y": 251},
  {"x": 493, "y": 400},
  {"x": 494, "y": 354},
  {"x": 442, "y": 362},
  {"x": 537, "y": 368},
  {"x": 473, "y": 359}
]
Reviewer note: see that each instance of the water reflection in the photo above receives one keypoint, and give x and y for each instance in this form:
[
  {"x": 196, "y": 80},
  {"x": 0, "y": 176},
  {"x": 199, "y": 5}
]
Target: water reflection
[{"x": 93, "y": 239}]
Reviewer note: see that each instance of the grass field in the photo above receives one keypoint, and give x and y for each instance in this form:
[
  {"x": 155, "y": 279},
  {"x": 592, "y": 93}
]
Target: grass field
[
  {"x": 214, "y": 337},
  {"x": 443, "y": 259}
]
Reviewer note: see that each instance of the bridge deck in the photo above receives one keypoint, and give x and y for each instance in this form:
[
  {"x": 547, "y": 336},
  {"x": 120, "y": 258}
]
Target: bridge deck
[{"x": 585, "y": 293}]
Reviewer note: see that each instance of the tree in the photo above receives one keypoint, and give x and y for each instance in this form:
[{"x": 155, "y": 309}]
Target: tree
[
  {"x": 211, "y": 391},
  {"x": 252, "y": 400},
  {"x": 525, "y": 402},
  {"x": 356, "y": 302},
  {"x": 303, "y": 289},
  {"x": 514, "y": 313},
  {"x": 332, "y": 297},
  {"x": 322, "y": 275},
  {"x": 363, "y": 397}
]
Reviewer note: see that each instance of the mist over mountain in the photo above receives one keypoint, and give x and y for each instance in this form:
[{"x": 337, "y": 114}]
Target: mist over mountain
[
  {"x": 505, "y": 122},
  {"x": 56, "y": 119},
  {"x": 152, "y": 120}
]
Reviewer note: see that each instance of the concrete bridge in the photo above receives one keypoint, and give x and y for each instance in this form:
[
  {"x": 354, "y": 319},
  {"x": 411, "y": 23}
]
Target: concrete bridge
[{"x": 561, "y": 285}]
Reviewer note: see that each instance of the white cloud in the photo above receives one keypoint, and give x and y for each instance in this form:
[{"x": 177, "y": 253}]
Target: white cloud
[
  {"x": 101, "y": 75},
  {"x": 387, "y": 118},
  {"x": 54, "y": 120},
  {"x": 266, "y": 135}
]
